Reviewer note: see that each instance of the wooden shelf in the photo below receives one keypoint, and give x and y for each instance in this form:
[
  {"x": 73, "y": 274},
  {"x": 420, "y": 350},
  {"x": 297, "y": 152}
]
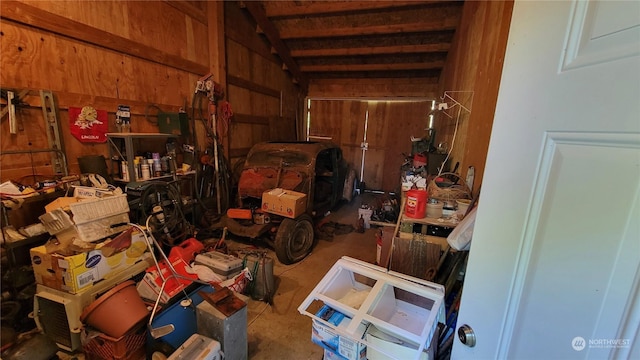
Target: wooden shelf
[{"x": 431, "y": 221}]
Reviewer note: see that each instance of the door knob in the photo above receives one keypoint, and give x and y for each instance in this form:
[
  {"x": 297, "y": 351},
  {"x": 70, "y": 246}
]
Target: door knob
[{"x": 466, "y": 335}]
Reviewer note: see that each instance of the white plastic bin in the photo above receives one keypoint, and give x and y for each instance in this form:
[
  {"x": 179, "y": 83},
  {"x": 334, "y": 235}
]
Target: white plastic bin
[{"x": 404, "y": 307}]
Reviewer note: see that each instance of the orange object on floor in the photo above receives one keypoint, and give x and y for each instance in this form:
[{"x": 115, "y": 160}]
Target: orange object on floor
[{"x": 244, "y": 214}]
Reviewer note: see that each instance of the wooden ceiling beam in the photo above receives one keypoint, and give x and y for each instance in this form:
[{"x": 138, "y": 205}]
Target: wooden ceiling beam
[
  {"x": 281, "y": 9},
  {"x": 271, "y": 33},
  {"x": 427, "y": 26},
  {"x": 373, "y": 67},
  {"x": 373, "y": 50}
]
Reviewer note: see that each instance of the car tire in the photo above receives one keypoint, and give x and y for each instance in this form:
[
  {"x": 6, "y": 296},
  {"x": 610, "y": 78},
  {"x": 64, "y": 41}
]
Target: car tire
[
  {"x": 350, "y": 186},
  {"x": 294, "y": 239}
]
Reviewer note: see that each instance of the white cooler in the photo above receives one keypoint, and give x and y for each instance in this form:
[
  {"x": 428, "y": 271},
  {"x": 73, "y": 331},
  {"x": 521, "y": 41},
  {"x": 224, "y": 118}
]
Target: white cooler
[
  {"x": 197, "y": 347},
  {"x": 225, "y": 266}
]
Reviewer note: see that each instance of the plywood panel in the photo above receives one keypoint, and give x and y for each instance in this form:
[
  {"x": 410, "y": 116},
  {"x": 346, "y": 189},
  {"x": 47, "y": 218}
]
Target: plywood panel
[
  {"x": 238, "y": 59},
  {"x": 390, "y": 127},
  {"x": 475, "y": 64},
  {"x": 496, "y": 29},
  {"x": 408, "y": 119},
  {"x": 282, "y": 129},
  {"x": 38, "y": 60},
  {"x": 240, "y": 98},
  {"x": 80, "y": 74},
  {"x": 324, "y": 122},
  {"x": 160, "y": 25},
  {"x": 258, "y": 82}
]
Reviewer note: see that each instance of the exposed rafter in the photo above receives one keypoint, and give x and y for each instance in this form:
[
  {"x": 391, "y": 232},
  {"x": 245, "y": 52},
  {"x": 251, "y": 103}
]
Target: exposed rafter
[
  {"x": 372, "y": 50},
  {"x": 345, "y": 39},
  {"x": 271, "y": 33},
  {"x": 427, "y": 26},
  {"x": 280, "y": 9},
  {"x": 374, "y": 67}
]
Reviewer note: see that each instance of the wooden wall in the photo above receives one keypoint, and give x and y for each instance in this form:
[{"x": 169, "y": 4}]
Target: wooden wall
[
  {"x": 475, "y": 64},
  {"x": 138, "y": 53},
  {"x": 97, "y": 53},
  {"x": 390, "y": 126},
  {"x": 266, "y": 103}
]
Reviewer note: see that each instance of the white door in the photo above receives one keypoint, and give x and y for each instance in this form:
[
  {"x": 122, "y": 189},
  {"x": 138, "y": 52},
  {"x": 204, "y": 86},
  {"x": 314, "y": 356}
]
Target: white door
[{"x": 553, "y": 269}]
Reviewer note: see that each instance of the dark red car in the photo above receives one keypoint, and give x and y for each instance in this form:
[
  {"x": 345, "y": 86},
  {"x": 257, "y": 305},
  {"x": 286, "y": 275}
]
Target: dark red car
[{"x": 316, "y": 169}]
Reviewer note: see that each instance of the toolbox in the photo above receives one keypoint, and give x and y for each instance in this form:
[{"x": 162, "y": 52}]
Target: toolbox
[{"x": 225, "y": 266}]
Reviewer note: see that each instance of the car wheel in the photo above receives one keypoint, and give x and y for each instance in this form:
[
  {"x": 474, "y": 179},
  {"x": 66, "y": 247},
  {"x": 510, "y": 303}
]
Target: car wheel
[
  {"x": 350, "y": 186},
  {"x": 294, "y": 239}
]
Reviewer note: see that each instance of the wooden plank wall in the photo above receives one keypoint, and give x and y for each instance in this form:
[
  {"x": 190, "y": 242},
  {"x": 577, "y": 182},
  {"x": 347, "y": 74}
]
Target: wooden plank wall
[
  {"x": 142, "y": 53},
  {"x": 475, "y": 64},
  {"x": 266, "y": 102},
  {"x": 97, "y": 53},
  {"x": 390, "y": 126}
]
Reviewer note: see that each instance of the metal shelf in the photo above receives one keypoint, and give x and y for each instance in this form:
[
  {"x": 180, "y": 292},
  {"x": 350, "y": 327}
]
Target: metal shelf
[{"x": 130, "y": 150}]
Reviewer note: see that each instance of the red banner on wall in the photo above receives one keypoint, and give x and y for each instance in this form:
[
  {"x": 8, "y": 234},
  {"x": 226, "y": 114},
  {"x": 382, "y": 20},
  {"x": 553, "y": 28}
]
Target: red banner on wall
[{"x": 88, "y": 124}]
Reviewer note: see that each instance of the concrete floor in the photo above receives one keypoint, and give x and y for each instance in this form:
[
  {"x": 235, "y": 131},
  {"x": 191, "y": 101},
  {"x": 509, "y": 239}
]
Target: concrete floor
[{"x": 280, "y": 331}]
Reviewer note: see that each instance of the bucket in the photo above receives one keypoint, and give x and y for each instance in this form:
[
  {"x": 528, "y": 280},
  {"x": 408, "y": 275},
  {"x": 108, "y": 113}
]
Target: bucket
[
  {"x": 434, "y": 210},
  {"x": 416, "y": 203},
  {"x": 262, "y": 286},
  {"x": 117, "y": 311}
]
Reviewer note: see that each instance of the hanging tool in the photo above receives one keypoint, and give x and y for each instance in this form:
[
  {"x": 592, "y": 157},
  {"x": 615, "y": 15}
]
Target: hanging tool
[{"x": 214, "y": 92}]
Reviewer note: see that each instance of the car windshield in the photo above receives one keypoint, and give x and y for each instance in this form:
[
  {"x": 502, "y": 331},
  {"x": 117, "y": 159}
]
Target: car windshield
[{"x": 277, "y": 157}]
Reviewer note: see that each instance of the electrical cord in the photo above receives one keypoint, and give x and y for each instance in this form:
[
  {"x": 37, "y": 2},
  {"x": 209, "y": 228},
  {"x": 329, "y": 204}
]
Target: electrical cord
[
  {"x": 163, "y": 203},
  {"x": 455, "y": 132}
]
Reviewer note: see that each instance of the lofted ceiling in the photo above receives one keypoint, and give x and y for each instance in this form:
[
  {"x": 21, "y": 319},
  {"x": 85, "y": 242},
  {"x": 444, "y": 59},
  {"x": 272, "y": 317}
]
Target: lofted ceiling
[{"x": 358, "y": 39}]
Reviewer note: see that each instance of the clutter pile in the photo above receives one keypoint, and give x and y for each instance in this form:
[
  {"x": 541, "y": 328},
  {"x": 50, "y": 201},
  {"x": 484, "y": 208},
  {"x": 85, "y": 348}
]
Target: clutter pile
[{"x": 106, "y": 288}]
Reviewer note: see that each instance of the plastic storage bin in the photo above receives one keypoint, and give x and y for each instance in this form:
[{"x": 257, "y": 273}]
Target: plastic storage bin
[
  {"x": 103, "y": 347},
  {"x": 400, "y": 306},
  {"x": 91, "y": 220}
]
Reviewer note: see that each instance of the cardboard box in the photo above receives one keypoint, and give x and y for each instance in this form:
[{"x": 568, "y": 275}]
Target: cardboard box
[
  {"x": 287, "y": 203},
  {"x": 149, "y": 287},
  {"x": 328, "y": 355},
  {"x": 329, "y": 339},
  {"x": 78, "y": 272},
  {"x": 383, "y": 343},
  {"x": 61, "y": 203}
]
